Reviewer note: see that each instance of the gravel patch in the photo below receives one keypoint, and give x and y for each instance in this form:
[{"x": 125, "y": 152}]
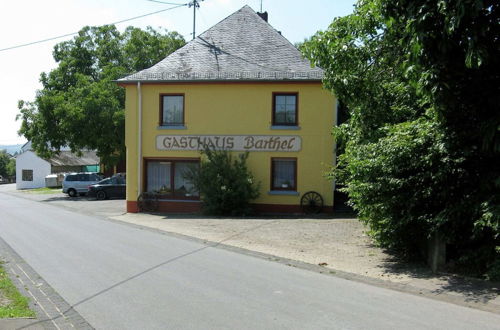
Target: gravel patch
[{"x": 4, "y": 301}]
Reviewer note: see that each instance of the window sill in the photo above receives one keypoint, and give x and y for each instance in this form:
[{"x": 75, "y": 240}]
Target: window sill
[
  {"x": 180, "y": 200},
  {"x": 283, "y": 192},
  {"x": 285, "y": 127},
  {"x": 172, "y": 127}
]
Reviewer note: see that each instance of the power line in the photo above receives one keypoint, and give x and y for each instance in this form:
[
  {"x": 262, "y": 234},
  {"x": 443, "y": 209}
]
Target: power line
[
  {"x": 166, "y": 3},
  {"x": 73, "y": 33},
  {"x": 194, "y": 3},
  {"x": 155, "y": 12}
]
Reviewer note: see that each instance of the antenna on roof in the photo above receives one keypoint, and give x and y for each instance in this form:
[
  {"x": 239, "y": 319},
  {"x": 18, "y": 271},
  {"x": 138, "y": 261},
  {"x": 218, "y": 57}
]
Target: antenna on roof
[
  {"x": 195, "y": 4},
  {"x": 262, "y": 14}
]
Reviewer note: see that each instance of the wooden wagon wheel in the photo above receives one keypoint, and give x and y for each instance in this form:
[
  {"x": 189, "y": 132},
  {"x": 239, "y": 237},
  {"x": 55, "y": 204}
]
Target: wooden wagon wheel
[
  {"x": 311, "y": 202},
  {"x": 148, "y": 202}
]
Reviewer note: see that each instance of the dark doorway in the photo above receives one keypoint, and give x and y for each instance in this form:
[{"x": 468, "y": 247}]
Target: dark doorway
[{"x": 340, "y": 202}]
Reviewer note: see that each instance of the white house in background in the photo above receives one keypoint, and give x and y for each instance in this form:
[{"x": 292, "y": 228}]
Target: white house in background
[
  {"x": 31, "y": 170},
  {"x": 25, "y": 147}
]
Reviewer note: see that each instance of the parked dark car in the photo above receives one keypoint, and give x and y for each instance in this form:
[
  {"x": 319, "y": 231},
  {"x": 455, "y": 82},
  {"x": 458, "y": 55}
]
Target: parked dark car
[{"x": 108, "y": 188}]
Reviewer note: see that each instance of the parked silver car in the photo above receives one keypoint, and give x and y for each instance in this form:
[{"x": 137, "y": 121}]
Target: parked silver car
[{"x": 75, "y": 184}]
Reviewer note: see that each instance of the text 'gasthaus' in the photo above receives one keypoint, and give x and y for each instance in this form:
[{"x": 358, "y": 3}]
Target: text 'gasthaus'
[{"x": 229, "y": 142}]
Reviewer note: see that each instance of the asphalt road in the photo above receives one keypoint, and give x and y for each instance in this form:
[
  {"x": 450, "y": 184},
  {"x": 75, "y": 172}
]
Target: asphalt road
[{"x": 121, "y": 277}]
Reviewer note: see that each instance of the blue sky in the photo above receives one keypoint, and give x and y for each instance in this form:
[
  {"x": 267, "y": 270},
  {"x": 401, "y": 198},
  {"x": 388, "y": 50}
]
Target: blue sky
[{"x": 32, "y": 20}]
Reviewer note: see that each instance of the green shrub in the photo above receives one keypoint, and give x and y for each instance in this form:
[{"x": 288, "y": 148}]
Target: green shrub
[
  {"x": 410, "y": 184},
  {"x": 225, "y": 184},
  {"x": 417, "y": 154},
  {"x": 493, "y": 273}
]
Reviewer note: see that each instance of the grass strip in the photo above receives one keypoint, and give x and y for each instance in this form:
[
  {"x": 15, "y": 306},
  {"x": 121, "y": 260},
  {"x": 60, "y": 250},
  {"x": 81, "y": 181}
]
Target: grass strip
[
  {"x": 12, "y": 303},
  {"x": 41, "y": 191}
]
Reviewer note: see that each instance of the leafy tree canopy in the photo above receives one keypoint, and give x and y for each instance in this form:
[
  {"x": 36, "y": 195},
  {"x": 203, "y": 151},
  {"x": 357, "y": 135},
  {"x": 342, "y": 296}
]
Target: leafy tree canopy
[
  {"x": 5, "y": 161},
  {"x": 421, "y": 81},
  {"x": 452, "y": 52},
  {"x": 79, "y": 105},
  {"x": 11, "y": 167}
]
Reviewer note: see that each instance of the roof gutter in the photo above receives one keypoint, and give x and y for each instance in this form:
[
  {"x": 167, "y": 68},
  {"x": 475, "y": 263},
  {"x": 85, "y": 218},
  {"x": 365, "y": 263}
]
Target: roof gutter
[{"x": 220, "y": 81}]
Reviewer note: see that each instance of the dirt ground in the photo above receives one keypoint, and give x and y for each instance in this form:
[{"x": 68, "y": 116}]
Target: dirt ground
[{"x": 3, "y": 300}]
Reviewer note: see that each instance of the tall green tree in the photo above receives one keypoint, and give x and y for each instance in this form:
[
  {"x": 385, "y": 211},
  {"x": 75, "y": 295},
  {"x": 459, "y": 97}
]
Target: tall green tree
[
  {"x": 11, "y": 168},
  {"x": 4, "y": 163},
  {"x": 453, "y": 56},
  {"x": 452, "y": 51},
  {"x": 80, "y": 105},
  {"x": 419, "y": 146}
]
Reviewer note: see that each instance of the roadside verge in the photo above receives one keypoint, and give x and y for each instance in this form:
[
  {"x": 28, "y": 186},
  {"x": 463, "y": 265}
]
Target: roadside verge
[{"x": 52, "y": 311}]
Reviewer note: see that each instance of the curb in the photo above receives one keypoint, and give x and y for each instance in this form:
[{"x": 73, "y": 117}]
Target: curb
[{"x": 53, "y": 312}]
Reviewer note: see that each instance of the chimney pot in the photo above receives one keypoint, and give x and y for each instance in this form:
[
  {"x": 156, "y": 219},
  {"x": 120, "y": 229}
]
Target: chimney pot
[{"x": 263, "y": 15}]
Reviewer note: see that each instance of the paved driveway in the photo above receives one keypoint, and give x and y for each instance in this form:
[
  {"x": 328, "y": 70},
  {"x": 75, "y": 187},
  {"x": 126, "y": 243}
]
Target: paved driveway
[{"x": 81, "y": 204}]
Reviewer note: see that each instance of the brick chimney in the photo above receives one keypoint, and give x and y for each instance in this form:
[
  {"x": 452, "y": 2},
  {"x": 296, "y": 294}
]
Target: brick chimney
[{"x": 263, "y": 15}]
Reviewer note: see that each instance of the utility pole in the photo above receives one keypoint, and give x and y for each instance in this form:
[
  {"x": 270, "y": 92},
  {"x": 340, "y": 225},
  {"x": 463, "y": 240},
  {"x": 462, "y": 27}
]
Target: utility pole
[{"x": 195, "y": 4}]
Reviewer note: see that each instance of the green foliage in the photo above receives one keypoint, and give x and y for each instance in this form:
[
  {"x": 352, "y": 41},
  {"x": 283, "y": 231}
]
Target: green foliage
[
  {"x": 7, "y": 164},
  {"x": 452, "y": 51},
  {"x": 4, "y": 161},
  {"x": 493, "y": 273},
  {"x": 225, "y": 184},
  {"x": 11, "y": 167},
  {"x": 18, "y": 304},
  {"x": 80, "y": 105},
  {"x": 420, "y": 80}
]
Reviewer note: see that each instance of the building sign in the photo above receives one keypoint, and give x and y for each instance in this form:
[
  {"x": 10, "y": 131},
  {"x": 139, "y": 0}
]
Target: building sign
[{"x": 229, "y": 142}]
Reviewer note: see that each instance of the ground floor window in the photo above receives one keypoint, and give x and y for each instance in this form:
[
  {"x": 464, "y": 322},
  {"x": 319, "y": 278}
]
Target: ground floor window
[
  {"x": 27, "y": 175},
  {"x": 166, "y": 177},
  {"x": 284, "y": 174}
]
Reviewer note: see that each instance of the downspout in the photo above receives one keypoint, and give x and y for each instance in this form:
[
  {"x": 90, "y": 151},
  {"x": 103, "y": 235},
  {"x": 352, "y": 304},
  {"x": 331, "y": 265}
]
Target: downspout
[
  {"x": 139, "y": 140},
  {"x": 336, "y": 123}
]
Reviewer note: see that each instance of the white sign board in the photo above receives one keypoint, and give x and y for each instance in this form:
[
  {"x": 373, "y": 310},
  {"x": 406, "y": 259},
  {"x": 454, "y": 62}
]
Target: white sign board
[{"x": 229, "y": 142}]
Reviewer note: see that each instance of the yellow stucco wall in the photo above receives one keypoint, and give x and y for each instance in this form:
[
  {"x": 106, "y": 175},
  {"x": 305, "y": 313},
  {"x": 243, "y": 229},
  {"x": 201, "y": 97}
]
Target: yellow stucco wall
[{"x": 239, "y": 109}]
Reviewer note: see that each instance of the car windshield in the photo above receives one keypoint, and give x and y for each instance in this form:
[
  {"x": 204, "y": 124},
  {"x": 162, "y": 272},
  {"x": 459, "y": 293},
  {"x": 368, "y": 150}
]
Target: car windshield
[{"x": 105, "y": 181}]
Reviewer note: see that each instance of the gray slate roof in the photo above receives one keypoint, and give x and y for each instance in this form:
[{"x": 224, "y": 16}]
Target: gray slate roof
[
  {"x": 241, "y": 47},
  {"x": 67, "y": 158}
]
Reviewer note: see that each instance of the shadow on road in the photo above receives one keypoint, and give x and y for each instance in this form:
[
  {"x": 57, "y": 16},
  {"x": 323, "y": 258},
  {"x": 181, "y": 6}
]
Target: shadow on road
[
  {"x": 474, "y": 290},
  {"x": 167, "y": 216},
  {"x": 68, "y": 199}
]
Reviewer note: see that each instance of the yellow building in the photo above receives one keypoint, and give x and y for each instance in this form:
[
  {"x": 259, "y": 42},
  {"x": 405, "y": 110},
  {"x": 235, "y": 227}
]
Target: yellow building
[{"x": 239, "y": 86}]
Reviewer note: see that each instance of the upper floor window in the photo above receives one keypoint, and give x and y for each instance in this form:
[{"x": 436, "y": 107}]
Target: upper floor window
[
  {"x": 172, "y": 110},
  {"x": 285, "y": 109}
]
